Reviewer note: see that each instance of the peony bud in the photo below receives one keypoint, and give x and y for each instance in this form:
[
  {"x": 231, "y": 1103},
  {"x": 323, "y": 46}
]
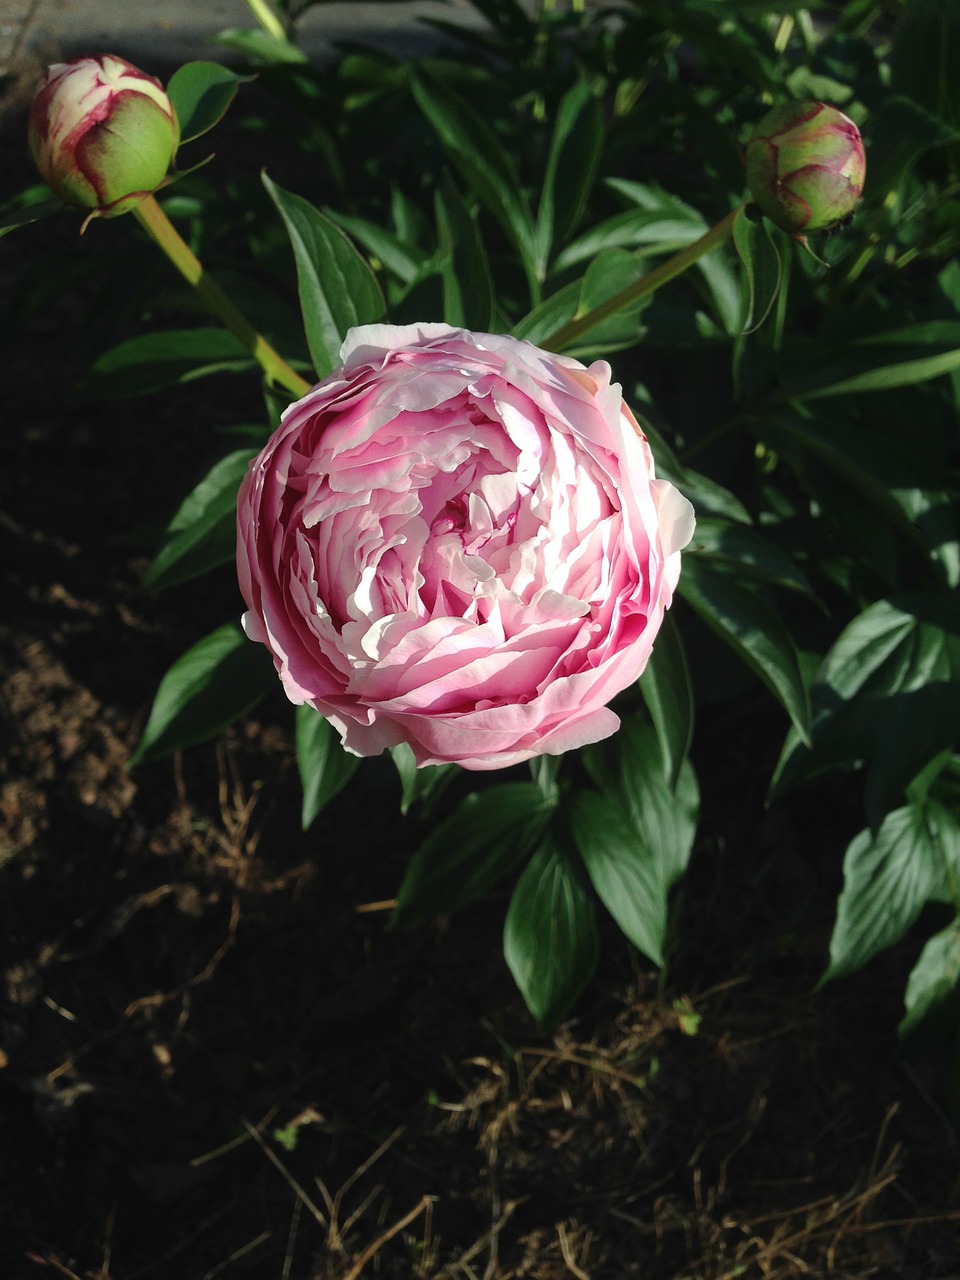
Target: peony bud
[
  {"x": 805, "y": 166},
  {"x": 102, "y": 133}
]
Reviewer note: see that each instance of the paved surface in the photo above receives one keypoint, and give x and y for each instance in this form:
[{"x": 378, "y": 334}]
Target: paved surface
[{"x": 179, "y": 30}]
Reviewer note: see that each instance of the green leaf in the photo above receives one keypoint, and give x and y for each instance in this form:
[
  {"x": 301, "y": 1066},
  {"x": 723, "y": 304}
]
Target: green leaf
[
  {"x": 735, "y": 546},
  {"x": 152, "y": 361},
  {"x": 214, "y": 683},
  {"x": 421, "y": 784},
  {"x": 204, "y": 529},
  {"x": 881, "y": 361},
  {"x": 467, "y": 289},
  {"x": 481, "y": 159},
  {"x": 933, "y": 979},
  {"x": 337, "y": 288},
  {"x": 753, "y": 630},
  {"x": 27, "y": 213},
  {"x": 888, "y": 690},
  {"x": 646, "y": 231},
  {"x": 402, "y": 259},
  {"x": 668, "y": 693},
  {"x": 887, "y": 879},
  {"x": 324, "y": 767},
  {"x": 635, "y": 837},
  {"x": 610, "y": 272},
  {"x": 571, "y": 168},
  {"x": 902, "y": 133},
  {"x": 550, "y": 935},
  {"x": 464, "y": 856},
  {"x": 761, "y": 269},
  {"x": 260, "y": 46},
  {"x": 201, "y": 92}
]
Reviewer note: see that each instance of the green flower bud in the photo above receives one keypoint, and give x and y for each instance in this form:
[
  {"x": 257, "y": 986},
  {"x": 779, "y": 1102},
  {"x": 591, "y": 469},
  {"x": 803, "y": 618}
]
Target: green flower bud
[
  {"x": 805, "y": 166},
  {"x": 102, "y": 133}
]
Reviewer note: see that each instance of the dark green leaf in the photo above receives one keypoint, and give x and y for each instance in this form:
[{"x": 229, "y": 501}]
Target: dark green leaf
[
  {"x": 667, "y": 691},
  {"x": 760, "y": 259},
  {"x": 419, "y": 784},
  {"x": 738, "y": 547},
  {"x": 887, "y": 879},
  {"x": 550, "y": 934},
  {"x": 204, "y": 530},
  {"x": 753, "y": 630},
  {"x": 213, "y": 684},
  {"x": 895, "y": 358},
  {"x": 934, "y": 978},
  {"x": 164, "y": 359},
  {"x": 324, "y": 767},
  {"x": 27, "y": 213},
  {"x": 337, "y": 288},
  {"x": 475, "y": 150},
  {"x": 201, "y": 92},
  {"x": 467, "y": 290},
  {"x": 571, "y": 168},
  {"x": 484, "y": 838}
]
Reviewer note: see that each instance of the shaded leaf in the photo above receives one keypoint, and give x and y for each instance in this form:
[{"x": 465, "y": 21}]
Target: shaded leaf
[
  {"x": 465, "y": 855},
  {"x": 218, "y": 680},
  {"x": 201, "y": 93},
  {"x": 668, "y": 693},
  {"x": 933, "y": 979},
  {"x": 550, "y": 934},
  {"x": 152, "y": 361},
  {"x": 324, "y": 767}
]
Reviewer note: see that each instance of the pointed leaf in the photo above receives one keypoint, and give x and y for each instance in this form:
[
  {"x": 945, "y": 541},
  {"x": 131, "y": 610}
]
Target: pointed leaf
[
  {"x": 337, "y": 288},
  {"x": 934, "y": 978},
  {"x": 484, "y": 838},
  {"x": 887, "y": 879},
  {"x": 753, "y": 630},
  {"x": 467, "y": 290},
  {"x": 324, "y": 767},
  {"x": 762, "y": 268},
  {"x": 204, "y": 530},
  {"x": 668, "y": 693},
  {"x": 571, "y": 167},
  {"x": 201, "y": 92},
  {"x": 214, "y": 683},
  {"x": 550, "y": 935},
  {"x": 152, "y": 361}
]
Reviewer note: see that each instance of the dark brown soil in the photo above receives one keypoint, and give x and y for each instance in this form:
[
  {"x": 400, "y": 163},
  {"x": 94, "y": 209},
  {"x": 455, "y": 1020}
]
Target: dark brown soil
[{"x": 217, "y": 1060}]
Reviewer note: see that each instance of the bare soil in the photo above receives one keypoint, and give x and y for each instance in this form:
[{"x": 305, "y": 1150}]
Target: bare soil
[{"x": 216, "y": 1059}]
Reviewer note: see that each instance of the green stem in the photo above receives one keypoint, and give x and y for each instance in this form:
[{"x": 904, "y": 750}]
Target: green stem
[
  {"x": 264, "y": 13},
  {"x": 569, "y": 333},
  {"x": 162, "y": 231}
]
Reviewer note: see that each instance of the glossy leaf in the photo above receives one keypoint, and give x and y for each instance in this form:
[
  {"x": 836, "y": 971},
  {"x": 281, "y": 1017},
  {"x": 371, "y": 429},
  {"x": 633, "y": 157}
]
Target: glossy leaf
[
  {"x": 737, "y": 547},
  {"x": 337, "y": 288},
  {"x": 894, "y": 358},
  {"x": 471, "y": 850},
  {"x": 201, "y": 93},
  {"x": 753, "y": 630},
  {"x": 550, "y": 935},
  {"x": 213, "y": 684},
  {"x": 204, "y": 529},
  {"x": 324, "y": 767}
]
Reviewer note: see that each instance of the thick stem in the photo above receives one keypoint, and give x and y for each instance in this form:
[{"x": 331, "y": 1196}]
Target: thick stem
[
  {"x": 569, "y": 333},
  {"x": 162, "y": 231}
]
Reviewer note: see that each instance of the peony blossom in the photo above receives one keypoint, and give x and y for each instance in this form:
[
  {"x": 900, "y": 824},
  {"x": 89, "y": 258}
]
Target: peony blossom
[
  {"x": 102, "y": 133},
  {"x": 457, "y": 541}
]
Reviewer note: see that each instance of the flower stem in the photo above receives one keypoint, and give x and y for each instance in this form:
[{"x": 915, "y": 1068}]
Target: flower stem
[
  {"x": 574, "y": 329},
  {"x": 162, "y": 231},
  {"x": 265, "y": 14}
]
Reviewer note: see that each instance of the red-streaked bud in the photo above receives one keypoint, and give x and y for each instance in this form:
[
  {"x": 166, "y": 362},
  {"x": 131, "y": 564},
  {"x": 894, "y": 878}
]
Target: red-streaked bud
[
  {"x": 805, "y": 166},
  {"x": 102, "y": 133}
]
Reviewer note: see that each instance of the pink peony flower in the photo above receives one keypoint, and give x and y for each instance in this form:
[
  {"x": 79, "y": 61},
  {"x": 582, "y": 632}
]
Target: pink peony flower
[{"x": 457, "y": 541}]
